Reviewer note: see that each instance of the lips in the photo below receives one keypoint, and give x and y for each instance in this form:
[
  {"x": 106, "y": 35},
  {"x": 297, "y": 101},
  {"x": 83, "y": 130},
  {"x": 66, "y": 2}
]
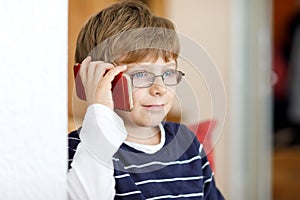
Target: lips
[{"x": 154, "y": 106}]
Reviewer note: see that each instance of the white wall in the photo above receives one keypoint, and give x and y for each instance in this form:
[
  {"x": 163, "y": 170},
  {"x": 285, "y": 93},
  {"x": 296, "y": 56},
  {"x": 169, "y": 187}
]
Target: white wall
[{"x": 33, "y": 105}]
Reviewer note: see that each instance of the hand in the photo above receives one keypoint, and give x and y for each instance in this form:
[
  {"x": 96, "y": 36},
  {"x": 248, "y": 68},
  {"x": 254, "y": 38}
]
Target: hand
[{"x": 97, "y": 83}]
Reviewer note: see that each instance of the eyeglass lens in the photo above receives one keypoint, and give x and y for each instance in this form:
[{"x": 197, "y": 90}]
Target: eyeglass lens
[{"x": 146, "y": 79}]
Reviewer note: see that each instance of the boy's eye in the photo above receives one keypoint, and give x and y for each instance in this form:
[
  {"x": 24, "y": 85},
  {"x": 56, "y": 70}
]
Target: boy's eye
[
  {"x": 140, "y": 75},
  {"x": 169, "y": 74}
]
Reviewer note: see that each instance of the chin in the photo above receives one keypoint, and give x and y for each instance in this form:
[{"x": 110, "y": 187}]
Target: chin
[
  {"x": 152, "y": 119},
  {"x": 150, "y": 123},
  {"x": 149, "y": 120}
]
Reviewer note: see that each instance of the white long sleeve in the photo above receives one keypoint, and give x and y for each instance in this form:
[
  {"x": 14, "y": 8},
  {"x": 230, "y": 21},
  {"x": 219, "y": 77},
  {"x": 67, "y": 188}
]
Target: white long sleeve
[{"x": 91, "y": 176}]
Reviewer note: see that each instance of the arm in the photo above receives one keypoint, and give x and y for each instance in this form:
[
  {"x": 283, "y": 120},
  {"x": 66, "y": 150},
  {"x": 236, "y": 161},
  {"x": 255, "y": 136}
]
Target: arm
[
  {"x": 102, "y": 133},
  {"x": 91, "y": 176}
]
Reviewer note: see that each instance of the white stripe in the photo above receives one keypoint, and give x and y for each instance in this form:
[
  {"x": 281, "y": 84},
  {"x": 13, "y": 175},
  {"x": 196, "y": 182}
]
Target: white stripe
[
  {"x": 73, "y": 138},
  {"x": 163, "y": 163},
  {"x": 128, "y": 193},
  {"x": 115, "y": 159},
  {"x": 169, "y": 180},
  {"x": 200, "y": 148},
  {"x": 207, "y": 163},
  {"x": 70, "y": 160},
  {"x": 72, "y": 149},
  {"x": 177, "y": 196},
  {"x": 122, "y": 176},
  {"x": 209, "y": 180}
]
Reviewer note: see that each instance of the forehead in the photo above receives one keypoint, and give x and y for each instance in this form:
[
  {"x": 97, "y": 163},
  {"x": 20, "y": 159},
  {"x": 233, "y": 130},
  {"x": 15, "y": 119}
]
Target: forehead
[{"x": 146, "y": 64}]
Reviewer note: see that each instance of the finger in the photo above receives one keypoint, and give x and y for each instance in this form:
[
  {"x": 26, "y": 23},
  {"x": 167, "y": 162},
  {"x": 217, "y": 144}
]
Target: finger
[
  {"x": 101, "y": 70},
  {"x": 110, "y": 75},
  {"x": 83, "y": 68},
  {"x": 91, "y": 70}
]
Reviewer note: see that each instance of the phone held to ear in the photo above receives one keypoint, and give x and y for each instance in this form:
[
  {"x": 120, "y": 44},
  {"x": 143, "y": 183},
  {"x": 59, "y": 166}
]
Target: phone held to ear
[{"x": 121, "y": 90}]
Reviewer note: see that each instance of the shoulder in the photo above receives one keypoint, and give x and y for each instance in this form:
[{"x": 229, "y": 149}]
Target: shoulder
[
  {"x": 181, "y": 136},
  {"x": 173, "y": 129}
]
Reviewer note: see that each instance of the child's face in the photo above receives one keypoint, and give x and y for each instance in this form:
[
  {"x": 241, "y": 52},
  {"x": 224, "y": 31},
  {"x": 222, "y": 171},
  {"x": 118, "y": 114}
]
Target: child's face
[{"x": 151, "y": 104}]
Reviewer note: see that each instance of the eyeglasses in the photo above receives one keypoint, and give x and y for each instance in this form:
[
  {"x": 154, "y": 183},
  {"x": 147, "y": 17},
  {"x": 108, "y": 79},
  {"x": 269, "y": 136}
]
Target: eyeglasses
[{"x": 146, "y": 79}]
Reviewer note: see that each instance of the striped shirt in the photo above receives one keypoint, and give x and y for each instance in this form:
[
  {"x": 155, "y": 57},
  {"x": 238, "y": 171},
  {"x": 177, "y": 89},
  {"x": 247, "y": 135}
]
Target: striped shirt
[{"x": 179, "y": 170}]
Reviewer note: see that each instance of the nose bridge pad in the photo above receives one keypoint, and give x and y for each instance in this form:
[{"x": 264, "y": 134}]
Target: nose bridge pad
[
  {"x": 161, "y": 80},
  {"x": 158, "y": 87}
]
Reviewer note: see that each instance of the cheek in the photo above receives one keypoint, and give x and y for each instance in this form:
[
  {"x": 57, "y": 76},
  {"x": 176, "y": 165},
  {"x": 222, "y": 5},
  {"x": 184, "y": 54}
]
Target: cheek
[
  {"x": 138, "y": 94},
  {"x": 171, "y": 92}
]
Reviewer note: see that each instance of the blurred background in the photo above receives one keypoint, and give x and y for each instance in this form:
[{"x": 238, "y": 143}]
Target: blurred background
[{"x": 253, "y": 45}]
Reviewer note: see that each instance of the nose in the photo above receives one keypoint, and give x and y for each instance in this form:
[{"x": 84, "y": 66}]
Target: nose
[{"x": 158, "y": 88}]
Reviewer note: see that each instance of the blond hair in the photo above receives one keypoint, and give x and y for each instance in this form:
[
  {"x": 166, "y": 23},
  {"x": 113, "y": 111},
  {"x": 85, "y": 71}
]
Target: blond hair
[{"x": 127, "y": 32}]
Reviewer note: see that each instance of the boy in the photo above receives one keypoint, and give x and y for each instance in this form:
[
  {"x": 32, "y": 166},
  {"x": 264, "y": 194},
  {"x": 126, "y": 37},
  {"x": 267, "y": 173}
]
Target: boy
[{"x": 133, "y": 154}]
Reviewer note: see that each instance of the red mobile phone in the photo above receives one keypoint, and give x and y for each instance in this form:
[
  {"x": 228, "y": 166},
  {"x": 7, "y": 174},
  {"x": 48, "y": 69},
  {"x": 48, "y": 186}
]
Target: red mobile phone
[{"x": 121, "y": 90}]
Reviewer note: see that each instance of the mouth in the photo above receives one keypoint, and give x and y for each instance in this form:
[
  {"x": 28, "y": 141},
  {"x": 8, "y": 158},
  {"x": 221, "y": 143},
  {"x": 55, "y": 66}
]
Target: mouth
[{"x": 154, "y": 107}]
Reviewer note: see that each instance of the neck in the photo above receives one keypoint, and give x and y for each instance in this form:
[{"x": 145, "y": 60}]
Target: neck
[{"x": 143, "y": 135}]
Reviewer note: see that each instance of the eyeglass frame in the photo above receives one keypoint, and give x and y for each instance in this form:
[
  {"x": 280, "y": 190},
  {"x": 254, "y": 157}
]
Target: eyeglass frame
[
  {"x": 182, "y": 74},
  {"x": 178, "y": 74}
]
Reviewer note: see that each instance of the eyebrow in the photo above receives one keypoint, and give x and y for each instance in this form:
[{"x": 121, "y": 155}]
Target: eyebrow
[{"x": 129, "y": 67}]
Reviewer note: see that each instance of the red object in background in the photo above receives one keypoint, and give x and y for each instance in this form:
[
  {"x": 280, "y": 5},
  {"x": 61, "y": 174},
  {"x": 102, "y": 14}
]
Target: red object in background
[
  {"x": 203, "y": 131},
  {"x": 280, "y": 68}
]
